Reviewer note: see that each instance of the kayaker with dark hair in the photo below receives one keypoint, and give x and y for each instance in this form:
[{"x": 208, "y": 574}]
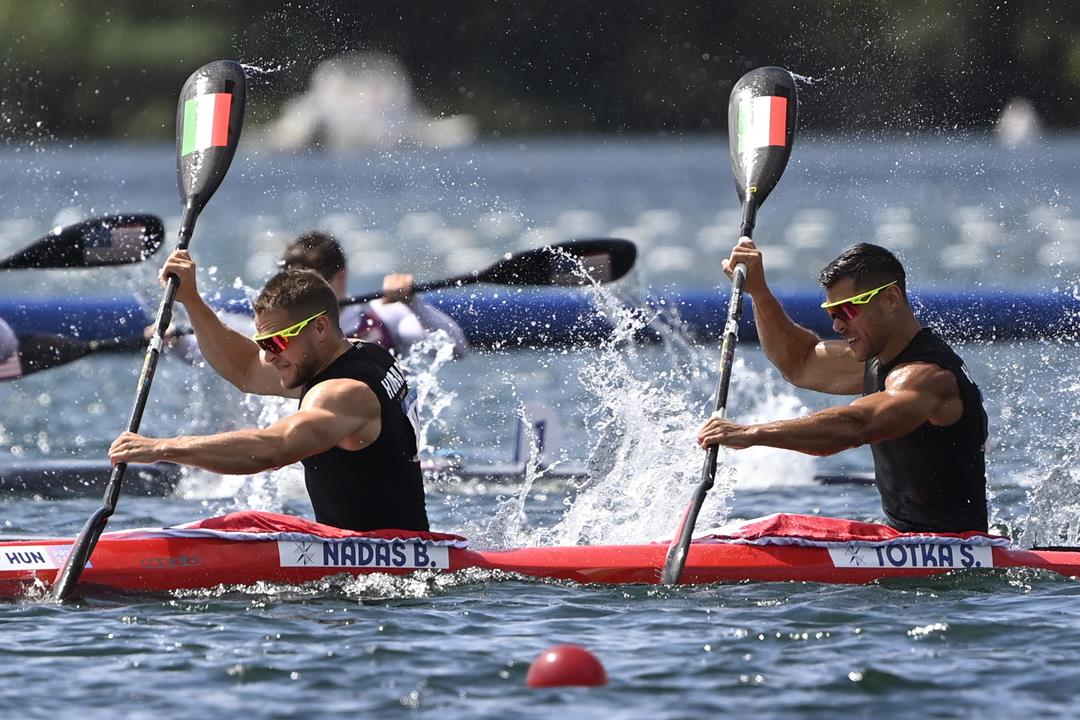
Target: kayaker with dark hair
[
  {"x": 355, "y": 430},
  {"x": 920, "y": 412},
  {"x": 397, "y": 321}
]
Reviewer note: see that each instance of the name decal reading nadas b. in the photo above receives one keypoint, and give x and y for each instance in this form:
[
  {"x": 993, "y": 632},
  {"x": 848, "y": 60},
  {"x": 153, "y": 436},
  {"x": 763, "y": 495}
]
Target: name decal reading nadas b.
[{"x": 396, "y": 554}]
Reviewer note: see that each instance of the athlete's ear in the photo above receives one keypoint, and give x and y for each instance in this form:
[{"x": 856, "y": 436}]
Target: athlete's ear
[
  {"x": 894, "y": 296},
  {"x": 322, "y": 325}
]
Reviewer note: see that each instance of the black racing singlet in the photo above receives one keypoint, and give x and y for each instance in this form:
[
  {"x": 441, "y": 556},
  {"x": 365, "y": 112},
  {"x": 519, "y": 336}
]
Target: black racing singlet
[
  {"x": 379, "y": 487},
  {"x": 934, "y": 478}
]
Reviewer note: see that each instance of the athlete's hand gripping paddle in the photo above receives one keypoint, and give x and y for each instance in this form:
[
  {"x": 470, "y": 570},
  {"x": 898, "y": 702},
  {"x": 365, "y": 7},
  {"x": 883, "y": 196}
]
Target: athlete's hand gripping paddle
[
  {"x": 208, "y": 122},
  {"x": 762, "y": 112}
]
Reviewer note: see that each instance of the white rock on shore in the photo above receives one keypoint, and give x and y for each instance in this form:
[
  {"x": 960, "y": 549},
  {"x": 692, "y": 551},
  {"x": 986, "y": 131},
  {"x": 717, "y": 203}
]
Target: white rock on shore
[{"x": 363, "y": 100}]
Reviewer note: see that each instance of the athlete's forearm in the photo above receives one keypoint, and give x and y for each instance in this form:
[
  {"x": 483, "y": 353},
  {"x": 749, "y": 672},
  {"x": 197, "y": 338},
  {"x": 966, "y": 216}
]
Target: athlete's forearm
[
  {"x": 240, "y": 452},
  {"x": 826, "y": 432}
]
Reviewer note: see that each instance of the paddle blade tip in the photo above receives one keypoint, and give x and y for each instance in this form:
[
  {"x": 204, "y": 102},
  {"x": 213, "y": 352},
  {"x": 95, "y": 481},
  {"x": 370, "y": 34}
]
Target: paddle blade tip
[
  {"x": 123, "y": 239},
  {"x": 673, "y": 566},
  {"x": 583, "y": 262}
]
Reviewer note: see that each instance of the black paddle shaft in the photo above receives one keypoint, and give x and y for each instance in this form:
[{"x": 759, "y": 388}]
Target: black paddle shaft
[
  {"x": 731, "y": 334},
  {"x": 91, "y": 531},
  {"x": 153, "y": 354},
  {"x": 676, "y": 560}
]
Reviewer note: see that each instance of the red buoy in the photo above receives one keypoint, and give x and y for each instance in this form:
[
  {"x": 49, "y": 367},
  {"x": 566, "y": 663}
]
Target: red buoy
[{"x": 565, "y": 665}]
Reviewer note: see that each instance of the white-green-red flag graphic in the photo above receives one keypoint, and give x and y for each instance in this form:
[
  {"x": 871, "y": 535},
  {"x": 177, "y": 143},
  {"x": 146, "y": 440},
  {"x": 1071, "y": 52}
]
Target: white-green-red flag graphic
[
  {"x": 206, "y": 122},
  {"x": 762, "y": 122}
]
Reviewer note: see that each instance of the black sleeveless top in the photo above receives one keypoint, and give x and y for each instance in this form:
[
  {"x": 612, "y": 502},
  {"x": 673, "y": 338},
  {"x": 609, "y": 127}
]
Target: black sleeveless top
[
  {"x": 380, "y": 486},
  {"x": 934, "y": 478}
]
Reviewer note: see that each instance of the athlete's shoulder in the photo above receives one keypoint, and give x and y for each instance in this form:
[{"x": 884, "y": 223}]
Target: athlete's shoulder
[
  {"x": 922, "y": 376},
  {"x": 342, "y": 390}
]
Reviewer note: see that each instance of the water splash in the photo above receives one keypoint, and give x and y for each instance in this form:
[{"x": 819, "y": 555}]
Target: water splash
[
  {"x": 806, "y": 79},
  {"x": 1054, "y": 512},
  {"x": 506, "y": 526},
  {"x": 1034, "y": 444},
  {"x": 645, "y": 405},
  {"x": 250, "y": 69},
  {"x": 367, "y": 587},
  {"x": 1054, "y": 502},
  {"x": 422, "y": 365}
]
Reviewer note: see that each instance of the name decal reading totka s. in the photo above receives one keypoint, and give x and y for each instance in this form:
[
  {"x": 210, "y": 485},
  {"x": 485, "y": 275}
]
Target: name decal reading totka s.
[
  {"x": 397, "y": 554},
  {"x": 918, "y": 555}
]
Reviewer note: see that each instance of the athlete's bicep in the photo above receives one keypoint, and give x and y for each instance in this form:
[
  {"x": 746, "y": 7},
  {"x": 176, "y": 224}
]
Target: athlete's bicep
[
  {"x": 831, "y": 368},
  {"x": 304, "y": 433},
  {"x": 914, "y": 394},
  {"x": 330, "y": 419},
  {"x": 352, "y": 405}
]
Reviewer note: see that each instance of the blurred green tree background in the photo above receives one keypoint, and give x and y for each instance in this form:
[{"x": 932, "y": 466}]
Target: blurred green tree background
[{"x": 112, "y": 69}]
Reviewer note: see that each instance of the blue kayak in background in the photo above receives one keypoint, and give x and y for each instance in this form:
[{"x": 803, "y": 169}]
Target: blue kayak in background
[{"x": 540, "y": 318}]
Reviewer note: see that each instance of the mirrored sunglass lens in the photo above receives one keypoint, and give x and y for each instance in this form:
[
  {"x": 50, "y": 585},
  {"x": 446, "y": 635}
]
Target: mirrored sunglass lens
[
  {"x": 843, "y": 312},
  {"x": 273, "y": 344}
]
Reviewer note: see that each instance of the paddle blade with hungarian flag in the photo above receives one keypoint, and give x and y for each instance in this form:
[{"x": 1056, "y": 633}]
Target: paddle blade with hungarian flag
[
  {"x": 209, "y": 117},
  {"x": 762, "y": 115}
]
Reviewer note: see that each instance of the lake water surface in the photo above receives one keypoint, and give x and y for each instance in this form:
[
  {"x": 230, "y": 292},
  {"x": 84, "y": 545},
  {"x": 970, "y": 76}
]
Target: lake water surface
[{"x": 963, "y": 214}]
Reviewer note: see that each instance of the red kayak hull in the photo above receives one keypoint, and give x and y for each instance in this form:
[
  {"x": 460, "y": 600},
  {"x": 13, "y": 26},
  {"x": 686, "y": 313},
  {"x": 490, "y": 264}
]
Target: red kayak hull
[{"x": 148, "y": 564}]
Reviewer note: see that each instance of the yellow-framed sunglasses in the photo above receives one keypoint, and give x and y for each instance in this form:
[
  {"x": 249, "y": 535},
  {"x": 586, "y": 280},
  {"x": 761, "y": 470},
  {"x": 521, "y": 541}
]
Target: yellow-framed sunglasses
[
  {"x": 278, "y": 340},
  {"x": 845, "y": 309}
]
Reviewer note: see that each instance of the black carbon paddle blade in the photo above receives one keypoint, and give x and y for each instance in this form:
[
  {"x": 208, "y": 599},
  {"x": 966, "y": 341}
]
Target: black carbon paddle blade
[
  {"x": 762, "y": 113},
  {"x": 569, "y": 264},
  {"x": 209, "y": 118},
  {"x": 103, "y": 241}
]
